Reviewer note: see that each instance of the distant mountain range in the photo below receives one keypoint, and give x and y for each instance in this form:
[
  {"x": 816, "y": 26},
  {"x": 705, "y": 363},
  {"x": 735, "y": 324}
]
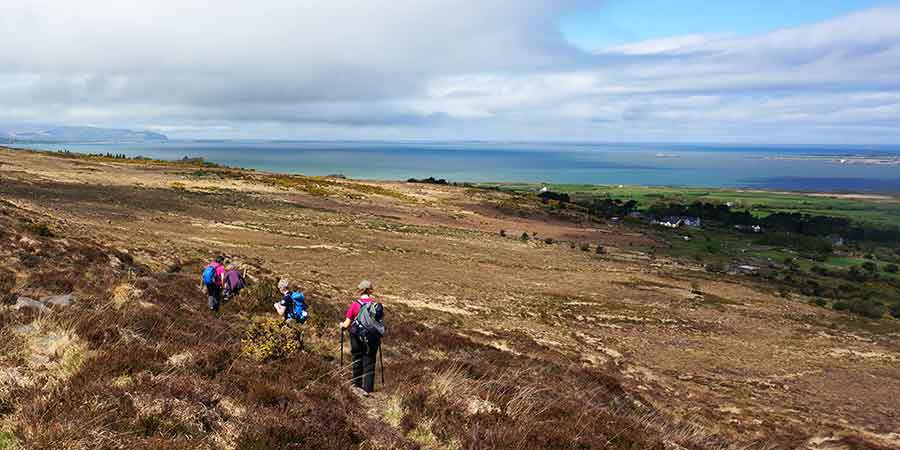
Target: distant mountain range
[{"x": 81, "y": 134}]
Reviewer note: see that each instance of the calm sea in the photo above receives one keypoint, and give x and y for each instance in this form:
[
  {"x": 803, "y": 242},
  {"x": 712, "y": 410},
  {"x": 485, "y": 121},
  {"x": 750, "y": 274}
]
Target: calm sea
[{"x": 782, "y": 167}]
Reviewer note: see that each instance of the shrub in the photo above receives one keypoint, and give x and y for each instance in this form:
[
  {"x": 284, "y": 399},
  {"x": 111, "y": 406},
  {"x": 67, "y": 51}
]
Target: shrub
[
  {"x": 868, "y": 308},
  {"x": 890, "y": 268},
  {"x": 895, "y": 311},
  {"x": 548, "y": 241},
  {"x": 585, "y": 247},
  {"x": 840, "y": 305},
  {"x": 502, "y": 233},
  {"x": 270, "y": 339},
  {"x": 7, "y": 441},
  {"x": 715, "y": 267},
  {"x": 820, "y": 302},
  {"x": 524, "y": 237},
  {"x": 39, "y": 229},
  {"x": 7, "y": 283},
  {"x": 600, "y": 250},
  {"x": 259, "y": 296},
  {"x": 870, "y": 266}
]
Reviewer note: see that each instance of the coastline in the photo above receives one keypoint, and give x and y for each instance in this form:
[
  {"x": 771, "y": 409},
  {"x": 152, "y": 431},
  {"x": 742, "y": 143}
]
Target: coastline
[
  {"x": 533, "y": 184},
  {"x": 805, "y": 169}
]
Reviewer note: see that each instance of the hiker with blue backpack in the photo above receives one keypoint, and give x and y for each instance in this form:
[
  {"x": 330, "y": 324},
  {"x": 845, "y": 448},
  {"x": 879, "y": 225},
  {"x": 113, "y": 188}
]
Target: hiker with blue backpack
[
  {"x": 213, "y": 279},
  {"x": 292, "y": 305},
  {"x": 364, "y": 319}
]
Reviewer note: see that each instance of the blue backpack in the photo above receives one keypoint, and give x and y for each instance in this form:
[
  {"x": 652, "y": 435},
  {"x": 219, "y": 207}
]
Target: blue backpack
[
  {"x": 298, "y": 307},
  {"x": 209, "y": 275}
]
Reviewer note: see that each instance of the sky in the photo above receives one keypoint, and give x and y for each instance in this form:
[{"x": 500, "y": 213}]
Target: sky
[{"x": 765, "y": 72}]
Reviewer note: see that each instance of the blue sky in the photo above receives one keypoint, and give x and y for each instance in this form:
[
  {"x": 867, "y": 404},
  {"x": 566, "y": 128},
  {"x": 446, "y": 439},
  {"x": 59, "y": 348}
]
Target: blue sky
[
  {"x": 599, "y": 24},
  {"x": 768, "y": 72}
]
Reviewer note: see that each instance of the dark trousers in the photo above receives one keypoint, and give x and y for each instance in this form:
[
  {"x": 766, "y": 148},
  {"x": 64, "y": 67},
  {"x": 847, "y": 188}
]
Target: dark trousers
[
  {"x": 214, "y": 296},
  {"x": 228, "y": 294},
  {"x": 364, "y": 357}
]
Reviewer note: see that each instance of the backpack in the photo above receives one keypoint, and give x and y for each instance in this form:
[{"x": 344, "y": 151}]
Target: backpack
[
  {"x": 298, "y": 307},
  {"x": 369, "y": 321},
  {"x": 209, "y": 274}
]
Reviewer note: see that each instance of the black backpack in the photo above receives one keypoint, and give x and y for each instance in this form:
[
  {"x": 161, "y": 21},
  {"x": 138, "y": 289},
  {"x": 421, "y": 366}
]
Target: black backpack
[{"x": 369, "y": 322}]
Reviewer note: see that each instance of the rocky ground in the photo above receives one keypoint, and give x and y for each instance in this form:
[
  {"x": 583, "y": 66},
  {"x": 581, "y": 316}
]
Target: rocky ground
[{"x": 108, "y": 345}]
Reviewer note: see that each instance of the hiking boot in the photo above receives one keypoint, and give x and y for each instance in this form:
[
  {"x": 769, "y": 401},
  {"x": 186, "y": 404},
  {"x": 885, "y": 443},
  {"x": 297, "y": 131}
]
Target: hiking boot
[{"x": 358, "y": 391}]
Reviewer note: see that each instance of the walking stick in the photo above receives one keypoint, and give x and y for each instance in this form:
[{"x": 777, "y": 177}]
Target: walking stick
[
  {"x": 342, "y": 347},
  {"x": 381, "y": 357}
]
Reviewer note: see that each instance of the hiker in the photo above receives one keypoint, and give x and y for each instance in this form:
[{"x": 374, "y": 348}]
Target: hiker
[
  {"x": 364, "y": 321},
  {"x": 234, "y": 282},
  {"x": 292, "y": 306},
  {"x": 213, "y": 279}
]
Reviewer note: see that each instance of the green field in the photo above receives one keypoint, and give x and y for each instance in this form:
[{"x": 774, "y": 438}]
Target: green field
[{"x": 879, "y": 211}]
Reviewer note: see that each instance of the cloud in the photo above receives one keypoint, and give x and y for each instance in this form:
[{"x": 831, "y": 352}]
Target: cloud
[{"x": 496, "y": 69}]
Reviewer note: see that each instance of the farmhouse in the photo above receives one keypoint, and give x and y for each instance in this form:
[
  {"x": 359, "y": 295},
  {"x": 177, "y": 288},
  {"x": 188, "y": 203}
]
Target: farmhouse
[{"x": 678, "y": 222}]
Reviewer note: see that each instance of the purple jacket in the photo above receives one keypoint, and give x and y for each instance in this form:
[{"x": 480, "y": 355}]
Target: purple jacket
[{"x": 234, "y": 280}]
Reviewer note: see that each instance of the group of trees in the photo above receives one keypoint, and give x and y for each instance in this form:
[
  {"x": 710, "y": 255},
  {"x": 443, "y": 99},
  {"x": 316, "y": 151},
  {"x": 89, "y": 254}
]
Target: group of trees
[
  {"x": 550, "y": 195},
  {"x": 607, "y": 207},
  {"x": 714, "y": 212},
  {"x": 787, "y": 222},
  {"x": 429, "y": 180}
]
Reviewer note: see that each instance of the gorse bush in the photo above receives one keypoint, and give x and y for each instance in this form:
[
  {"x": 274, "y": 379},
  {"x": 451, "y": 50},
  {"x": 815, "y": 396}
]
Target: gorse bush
[
  {"x": 259, "y": 296},
  {"x": 270, "y": 339},
  {"x": 7, "y": 441}
]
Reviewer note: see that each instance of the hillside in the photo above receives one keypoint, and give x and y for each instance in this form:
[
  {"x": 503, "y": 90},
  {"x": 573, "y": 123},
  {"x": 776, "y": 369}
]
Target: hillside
[{"x": 494, "y": 341}]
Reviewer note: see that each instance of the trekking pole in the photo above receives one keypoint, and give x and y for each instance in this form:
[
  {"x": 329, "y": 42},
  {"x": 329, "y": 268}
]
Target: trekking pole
[
  {"x": 342, "y": 347},
  {"x": 381, "y": 357}
]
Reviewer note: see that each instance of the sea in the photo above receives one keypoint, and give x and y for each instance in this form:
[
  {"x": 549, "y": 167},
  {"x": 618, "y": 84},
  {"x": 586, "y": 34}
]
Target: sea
[{"x": 819, "y": 168}]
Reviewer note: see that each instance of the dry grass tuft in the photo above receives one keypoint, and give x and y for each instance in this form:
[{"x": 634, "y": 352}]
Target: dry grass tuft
[
  {"x": 451, "y": 383},
  {"x": 124, "y": 294},
  {"x": 54, "y": 351},
  {"x": 394, "y": 411},
  {"x": 181, "y": 360},
  {"x": 424, "y": 436}
]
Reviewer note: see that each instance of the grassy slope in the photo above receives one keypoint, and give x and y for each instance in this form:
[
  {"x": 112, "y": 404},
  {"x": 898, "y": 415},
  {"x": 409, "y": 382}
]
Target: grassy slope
[
  {"x": 156, "y": 372},
  {"x": 138, "y": 363}
]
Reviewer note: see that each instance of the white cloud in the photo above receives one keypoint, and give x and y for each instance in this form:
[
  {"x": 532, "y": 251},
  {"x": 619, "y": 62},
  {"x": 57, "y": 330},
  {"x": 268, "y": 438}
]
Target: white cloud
[{"x": 439, "y": 68}]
